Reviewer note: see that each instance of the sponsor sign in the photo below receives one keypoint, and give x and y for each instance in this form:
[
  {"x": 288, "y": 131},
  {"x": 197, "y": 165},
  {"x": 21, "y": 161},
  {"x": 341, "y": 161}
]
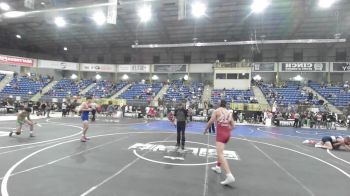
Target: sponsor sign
[
  {"x": 170, "y": 68},
  {"x": 262, "y": 67},
  {"x": 303, "y": 66},
  {"x": 341, "y": 67},
  {"x": 57, "y": 65},
  {"x": 98, "y": 67},
  {"x": 20, "y": 61},
  {"x": 134, "y": 68}
]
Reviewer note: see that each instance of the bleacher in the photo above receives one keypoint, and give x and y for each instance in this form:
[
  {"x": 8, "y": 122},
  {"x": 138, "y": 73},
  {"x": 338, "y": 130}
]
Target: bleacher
[
  {"x": 334, "y": 94},
  {"x": 289, "y": 95},
  {"x": 179, "y": 92},
  {"x": 24, "y": 87},
  {"x": 232, "y": 96},
  {"x": 105, "y": 89},
  {"x": 67, "y": 87},
  {"x": 141, "y": 91}
]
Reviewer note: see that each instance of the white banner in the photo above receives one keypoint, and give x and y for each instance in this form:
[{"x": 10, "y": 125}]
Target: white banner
[
  {"x": 134, "y": 68},
  {"x": 98, "y": 67},
  {"x": 112, "y": 12},
  {"x": 57, "y": 65}
]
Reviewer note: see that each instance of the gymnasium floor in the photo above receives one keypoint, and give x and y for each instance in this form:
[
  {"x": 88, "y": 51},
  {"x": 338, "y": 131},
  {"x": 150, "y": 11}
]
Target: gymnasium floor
[{"x": 135, "y": 157}]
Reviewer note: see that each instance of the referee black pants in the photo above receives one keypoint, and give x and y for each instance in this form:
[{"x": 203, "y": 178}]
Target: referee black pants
[{"x": 181, "y": 126}]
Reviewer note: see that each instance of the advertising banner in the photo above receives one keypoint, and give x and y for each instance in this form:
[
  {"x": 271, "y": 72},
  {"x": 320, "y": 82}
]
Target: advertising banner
[
  {"x": 171, "y": 68},
  {"x": 341, "y": 67},
  {"x": 57, "y": 65},
  {"x": 20, "y": 61},
  {"x": 134, "y": 68},
  {"x": 264, "y": 67},
  {"x": 304, "y": 67},
  {"x": 98, "y": 67}
]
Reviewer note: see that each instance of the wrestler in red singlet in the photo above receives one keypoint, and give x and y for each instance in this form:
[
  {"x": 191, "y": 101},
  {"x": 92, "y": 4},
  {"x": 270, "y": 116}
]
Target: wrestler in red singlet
[
  {"x": 224, "y": 127},
  {"x": 225, "y": 124}
]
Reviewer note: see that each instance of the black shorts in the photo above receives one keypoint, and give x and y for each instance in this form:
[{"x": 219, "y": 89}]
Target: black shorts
[{"x": 330, "y": 140}]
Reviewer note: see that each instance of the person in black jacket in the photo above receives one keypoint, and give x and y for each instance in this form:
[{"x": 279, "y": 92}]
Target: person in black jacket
[{"x": 181, "y": 117}]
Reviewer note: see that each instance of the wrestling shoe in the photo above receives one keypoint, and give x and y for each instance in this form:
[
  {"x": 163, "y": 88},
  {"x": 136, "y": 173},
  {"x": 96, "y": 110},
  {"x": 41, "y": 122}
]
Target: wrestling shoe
[
  {"x": 216, "y": 169},
  {"x": 229, "y": 179}
]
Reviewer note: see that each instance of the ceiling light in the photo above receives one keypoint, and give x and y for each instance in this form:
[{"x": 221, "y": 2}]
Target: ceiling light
[
  {"x": 4, "y": 6},
  {"x": 14, "y": 14},
  {"x": 125, "y": 77},
  {"x": 19, "y": 36},
  {"x": 186, "y": 77},
  {"x": 98, "y": 77},
  {"x": 99, "y": 18},
  {"x": 298, "y": 78},
  {"x": 198, "y": 9},
  {"x": 155, "y": 77},
  {"x": 74, "y": 76},
  {"x": 257, "y": 78},
  {"x": 326, "y": 3},
  {"x": 60, "y": 22},
  {"x": 145, "y": 13},
  {"x": 259, "y": 5},
  {"x": 65, "y": 48}
]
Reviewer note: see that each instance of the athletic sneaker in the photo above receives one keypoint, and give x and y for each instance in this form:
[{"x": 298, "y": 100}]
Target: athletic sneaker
[
  {"x": 86, "y": 138},
  {"x": 10, "y": 134},
  {"x": 318, "y": 146},
  {"x": 216, "y": 169},
  {"x": 31, "y": 135},
  {"x": 306, "y": 142},
  {"x": 83, "y": 139},
  {"x": 229, "y": 179}
]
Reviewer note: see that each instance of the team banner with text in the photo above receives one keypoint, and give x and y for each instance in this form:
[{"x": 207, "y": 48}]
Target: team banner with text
[
  {"x": 13, "y": 60},
  {"x": 98, "y": 68},
  {"x": 264, "y": 67},
  {"x": 304, "y": 66},
  {"x": 341, "y": 67},
  {"x": 171, "y": 68},
  {"x": 57, "y": 65},
  {"x": 134, "y": 68}
]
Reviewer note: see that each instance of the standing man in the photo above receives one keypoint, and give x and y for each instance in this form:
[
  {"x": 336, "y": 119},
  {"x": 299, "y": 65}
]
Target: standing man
[
  {"x": 225, "y": 124},
  {"x": 85, "y": 110},
  {"x": 93, "y": 111},
  {"x": 181, "y": 117},
  {"x": 21, "y": 119},
  {"x": 64, "y": 109},
  {"x": 210, "y": 113}
]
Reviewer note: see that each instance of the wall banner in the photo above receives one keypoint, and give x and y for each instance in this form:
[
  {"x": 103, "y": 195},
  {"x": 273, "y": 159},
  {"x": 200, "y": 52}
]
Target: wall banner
[
  {"x": 98, "y": 68},
  {"x": 57, "y": 65},
  {"x": 134, "y": 68},
  {"x": 264, "y": 67},
  {"x": 171, "y": 68},
  {"x": 304, "y": 66},
  {"x": 19, "y": 61},
  {"x": 341, "y": 67}
]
